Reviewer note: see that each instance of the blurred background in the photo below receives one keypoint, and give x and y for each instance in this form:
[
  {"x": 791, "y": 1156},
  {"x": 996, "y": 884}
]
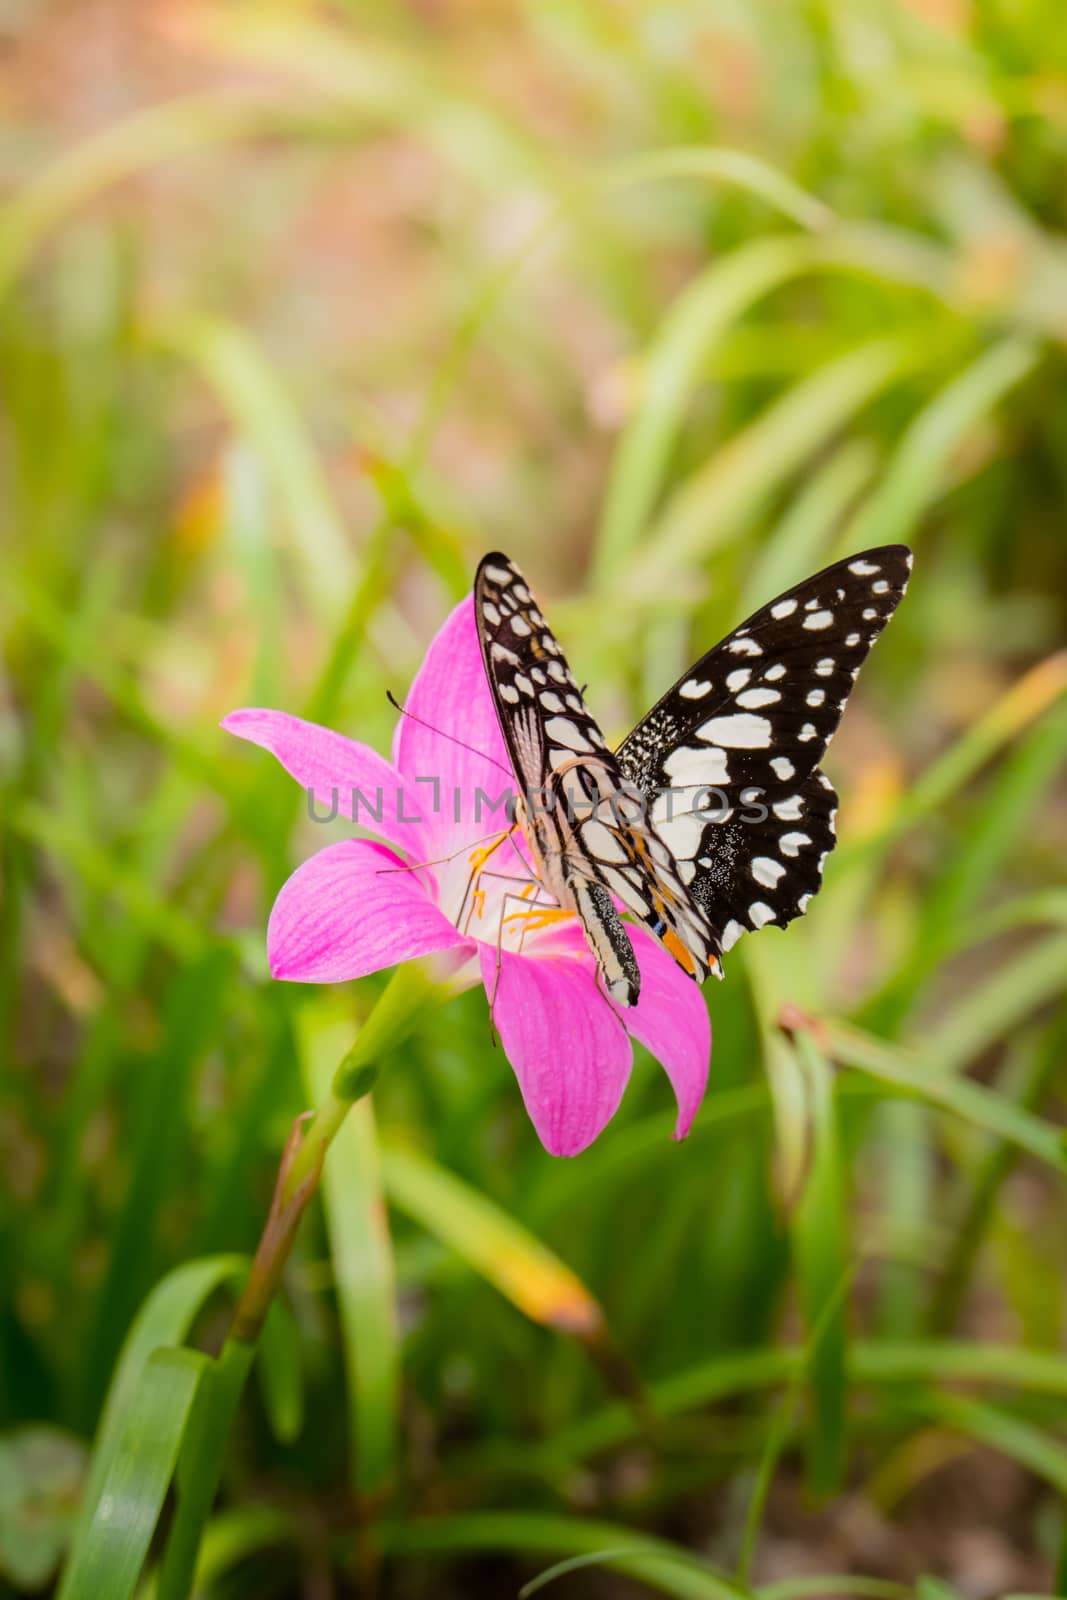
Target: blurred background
[{"x": 303, "y": 308}]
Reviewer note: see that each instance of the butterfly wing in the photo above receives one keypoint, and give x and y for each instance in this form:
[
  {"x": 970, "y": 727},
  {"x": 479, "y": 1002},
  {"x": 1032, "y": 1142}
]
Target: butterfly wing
[
  {"x": 574, "y": 791},
  {"x": 728, "y": 758}
]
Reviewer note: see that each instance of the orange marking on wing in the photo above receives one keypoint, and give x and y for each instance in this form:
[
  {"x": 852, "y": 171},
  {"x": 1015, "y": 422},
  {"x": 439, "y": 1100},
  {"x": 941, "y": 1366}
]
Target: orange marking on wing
[{"x": 679, "y": 951}]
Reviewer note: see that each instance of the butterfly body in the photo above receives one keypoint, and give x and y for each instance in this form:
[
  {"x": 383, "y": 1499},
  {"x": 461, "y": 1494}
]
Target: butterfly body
[{"x": 746, "y": 725}]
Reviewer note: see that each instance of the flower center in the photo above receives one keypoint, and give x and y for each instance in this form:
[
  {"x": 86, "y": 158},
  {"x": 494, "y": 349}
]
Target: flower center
[{"x": 489, "y": 893}]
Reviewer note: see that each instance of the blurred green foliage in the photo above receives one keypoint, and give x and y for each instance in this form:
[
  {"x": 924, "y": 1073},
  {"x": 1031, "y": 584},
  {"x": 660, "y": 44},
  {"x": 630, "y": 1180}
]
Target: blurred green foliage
[{"x": 301, "y": 310}]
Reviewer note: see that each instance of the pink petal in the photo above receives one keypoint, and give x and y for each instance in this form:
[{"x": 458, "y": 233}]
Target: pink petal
[
  {"x": 328, "y": 763},
  {"x": 569, "y": 1050},
  {"x": 451, "y": 697},
  {"x": 348, "y": 911},
  {"x": 671, "y": 1020}
]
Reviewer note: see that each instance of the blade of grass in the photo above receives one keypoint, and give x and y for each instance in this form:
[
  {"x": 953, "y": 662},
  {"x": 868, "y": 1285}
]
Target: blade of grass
[
  {"x": 992, "y": 1009},
  {"x": 821, "y": 1252},
  {"x": 134, "y": 144},
  {"x": 712, "y": 506},
  {"x": 500, "y": 1249},
  {"x": 251, "y": 390},
  {"x": 663, "y": 1566},
  {"x": 917, "y": 467},
  {"x": 1030, "y": 697},
  {"x": 738, "y": 167},
  {"x": 874, "y": 1362},
  {"x": 794, "y": 547},
  {"x": 111, "y": 1557},
  {"x": 1034, "y": 1073},
  {"x": 164, "y": 1319},
  {"x": 684, "y": 343},
  {"x": 972, "y": 1102}
]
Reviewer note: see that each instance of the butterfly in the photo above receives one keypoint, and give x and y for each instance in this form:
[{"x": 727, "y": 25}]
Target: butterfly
[{"x": 712, "y": 818}]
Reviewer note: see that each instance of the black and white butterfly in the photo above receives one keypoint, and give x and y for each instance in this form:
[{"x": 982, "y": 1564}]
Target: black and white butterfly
[{"x": 712, "y": 817}]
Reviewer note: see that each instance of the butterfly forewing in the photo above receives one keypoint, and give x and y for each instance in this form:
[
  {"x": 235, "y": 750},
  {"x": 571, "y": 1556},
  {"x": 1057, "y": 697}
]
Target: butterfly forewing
[
  {"x": 728, "y": 758},
  {"x": 580, "y": 827}
]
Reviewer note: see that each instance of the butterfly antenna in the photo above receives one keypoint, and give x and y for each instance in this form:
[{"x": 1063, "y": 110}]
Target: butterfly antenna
[{"x": 404, "y": 712}]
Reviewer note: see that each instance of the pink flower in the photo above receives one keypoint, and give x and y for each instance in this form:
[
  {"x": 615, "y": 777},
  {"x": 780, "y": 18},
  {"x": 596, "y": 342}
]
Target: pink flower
[{"x": 359, "y": 906}]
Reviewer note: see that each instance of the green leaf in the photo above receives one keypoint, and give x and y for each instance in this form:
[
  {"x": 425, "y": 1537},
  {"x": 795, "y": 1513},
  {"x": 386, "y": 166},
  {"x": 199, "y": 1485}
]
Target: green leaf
[
  {"x": 820, "y": 1244},
  {"x": 256, "y": 397},
  {"x": 713, "y": 505},
  {"x": 164, "y": 1319},
  {"x": 687, "y": 337},
  {"x": 504, "y": 1252},
  {"x": 110, "y": 1559},
  {"x": 917, "y": 468},
  {"x": 973, "y": 1102},
  {"x": 662, "y": 1566}
]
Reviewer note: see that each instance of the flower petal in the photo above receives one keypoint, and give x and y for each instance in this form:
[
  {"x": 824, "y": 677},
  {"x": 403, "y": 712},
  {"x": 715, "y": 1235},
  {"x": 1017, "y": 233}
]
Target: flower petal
[
  {"x": 569, "y": 1051},
  {"x": 451, "y": 697},
  {"x": 671, "y": 1020},
  {"x": 367, "y": 787},
  {"x": 349, "y": 911}
]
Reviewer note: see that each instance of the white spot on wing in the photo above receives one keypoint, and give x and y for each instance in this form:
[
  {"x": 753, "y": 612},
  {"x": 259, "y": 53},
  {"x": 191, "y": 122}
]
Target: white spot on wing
[
  {"x": 825, "y": 667},
  {"x": 816, "y": 697},
  {"x": 791, "y": 843},
  {"x": 498, "y": 574},
  {"x": 783, "y": 608},
  {"x": 741, "y": 732},
  {"x": 772, "y": 674},
  {"x": 819, "y": 619},
  {"x": 863, "y": 569},
  {"x": 767, "y": 871},
  {"x": 744, "y": 647},
  {"x": 759, "y": 914},
  {"x": 752, "y": 699},
  {"x": 735, "y": 680},
  {"x": 687, "y": 765},
  {"x": 789, "y": 810},
  {"x": 694, "y": 688},
  {"x": 783, "y": 768},
  {"x": 731, "y": 933}
]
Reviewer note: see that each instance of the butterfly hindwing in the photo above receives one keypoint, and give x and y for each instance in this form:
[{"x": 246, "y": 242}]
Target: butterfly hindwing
[{"x": 728, "y": 758}]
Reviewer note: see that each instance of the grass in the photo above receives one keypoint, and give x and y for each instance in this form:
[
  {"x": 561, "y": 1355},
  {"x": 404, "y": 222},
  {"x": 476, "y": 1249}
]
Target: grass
[{"x": 674, "y": 304}]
